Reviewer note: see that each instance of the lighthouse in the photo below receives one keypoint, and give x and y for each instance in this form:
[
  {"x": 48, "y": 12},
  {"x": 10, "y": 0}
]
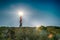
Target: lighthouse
[
  {"x": 20, "y": 21},
  {"x": 20, "y": 15}
]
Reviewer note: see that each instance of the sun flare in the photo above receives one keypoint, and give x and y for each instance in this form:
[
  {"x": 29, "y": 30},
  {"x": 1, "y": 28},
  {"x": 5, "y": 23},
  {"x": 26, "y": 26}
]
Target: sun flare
[{"x": 20, "y": 13}]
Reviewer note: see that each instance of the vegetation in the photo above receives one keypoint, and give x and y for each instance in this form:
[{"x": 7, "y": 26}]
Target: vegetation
[{"x": 30, "y": 33}]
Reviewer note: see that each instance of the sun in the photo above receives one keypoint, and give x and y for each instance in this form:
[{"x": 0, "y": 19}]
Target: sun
[{"x": 20, "y": 13}]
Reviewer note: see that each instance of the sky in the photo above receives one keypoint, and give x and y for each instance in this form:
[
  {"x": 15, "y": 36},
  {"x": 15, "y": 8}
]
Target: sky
[{"x": 36, "y": 12}]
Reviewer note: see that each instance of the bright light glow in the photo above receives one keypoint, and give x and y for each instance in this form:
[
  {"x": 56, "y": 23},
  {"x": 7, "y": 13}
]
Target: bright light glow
[
  {"x": 37, "y": 27},
  {"x": 20, "y": 13},
  {"x": 50, "y": 36}
]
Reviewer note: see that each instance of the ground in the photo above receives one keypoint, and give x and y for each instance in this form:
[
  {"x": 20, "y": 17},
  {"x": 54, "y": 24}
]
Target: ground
[{"x": 30, "y": 33}]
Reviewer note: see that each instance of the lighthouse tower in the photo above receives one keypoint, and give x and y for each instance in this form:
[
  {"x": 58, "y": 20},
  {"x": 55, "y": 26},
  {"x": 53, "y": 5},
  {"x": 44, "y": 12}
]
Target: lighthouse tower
[{"x": 20, "y": 21}]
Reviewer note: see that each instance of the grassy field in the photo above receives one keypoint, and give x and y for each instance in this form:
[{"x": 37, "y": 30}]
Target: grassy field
[{"x": 30, "y": 33}]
